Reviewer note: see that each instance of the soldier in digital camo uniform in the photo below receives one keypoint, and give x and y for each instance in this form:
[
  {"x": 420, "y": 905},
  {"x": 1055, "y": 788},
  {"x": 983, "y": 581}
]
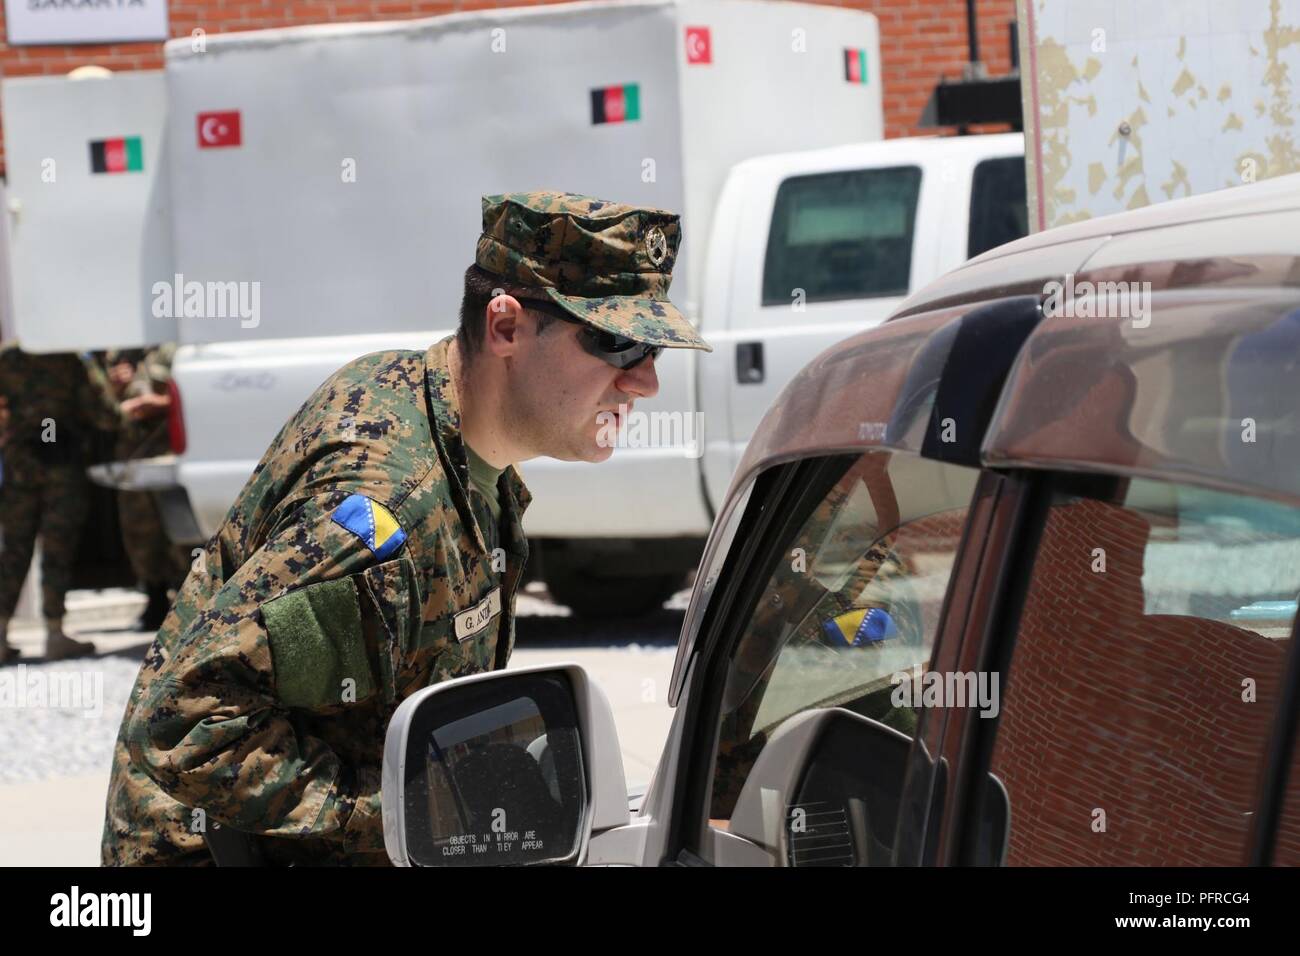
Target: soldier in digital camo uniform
[
  {"x": 53, "y": 401},
  {"x": 377, "y": 547},
  {"x": 139, "y": 381}
]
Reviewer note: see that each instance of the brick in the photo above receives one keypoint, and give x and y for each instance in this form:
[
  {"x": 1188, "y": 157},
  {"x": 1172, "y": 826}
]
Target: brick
[{"x": 29, "y": 69}]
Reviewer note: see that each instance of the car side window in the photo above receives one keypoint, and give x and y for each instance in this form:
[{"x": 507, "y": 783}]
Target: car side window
[
  {"x": 998, "y": 211},
  {"x": 849, "y": 610},
  {"x": 1145, "y": 676},
  {"x": 844, "y": 235}
]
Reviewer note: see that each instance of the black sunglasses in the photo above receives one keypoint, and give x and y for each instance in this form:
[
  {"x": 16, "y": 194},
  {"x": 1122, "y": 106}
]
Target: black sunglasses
[{"x": 618, "y": 350}]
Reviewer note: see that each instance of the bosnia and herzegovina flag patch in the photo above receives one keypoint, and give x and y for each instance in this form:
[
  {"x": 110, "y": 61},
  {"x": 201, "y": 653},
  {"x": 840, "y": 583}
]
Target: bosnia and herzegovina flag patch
[
  {"x": 372, "y": 523},
  {"x": 124, "y": 155},
  {"x": 616, "y": 104},
  {"x": 855, "y": 66},
  {"x": 860, "y": 626}
]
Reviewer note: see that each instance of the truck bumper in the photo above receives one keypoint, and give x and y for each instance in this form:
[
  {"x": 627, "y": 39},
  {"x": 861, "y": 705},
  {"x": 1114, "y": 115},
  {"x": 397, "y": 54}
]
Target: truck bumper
[{"x": 159, "y": 477}]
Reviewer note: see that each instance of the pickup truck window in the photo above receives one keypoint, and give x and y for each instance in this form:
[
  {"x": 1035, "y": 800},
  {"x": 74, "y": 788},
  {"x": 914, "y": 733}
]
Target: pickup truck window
[
  {"x": 1145, "y": 676},
  {"x": 849, "y": 610},
  {"x": 845, "y": 235},
  {"x": 998, "y": 211}
]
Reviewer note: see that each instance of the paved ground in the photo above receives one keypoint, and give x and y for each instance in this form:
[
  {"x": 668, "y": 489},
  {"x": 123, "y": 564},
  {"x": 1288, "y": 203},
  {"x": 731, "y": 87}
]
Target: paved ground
[{"x": 58, "y": 720}]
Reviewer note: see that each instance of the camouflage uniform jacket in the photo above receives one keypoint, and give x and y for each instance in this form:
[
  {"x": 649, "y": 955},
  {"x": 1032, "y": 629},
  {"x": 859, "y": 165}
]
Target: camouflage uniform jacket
[
  {"x": 336, "y": 588},
  {"x": 54, "y": 400},
  {"x": 153, "y": 371}
]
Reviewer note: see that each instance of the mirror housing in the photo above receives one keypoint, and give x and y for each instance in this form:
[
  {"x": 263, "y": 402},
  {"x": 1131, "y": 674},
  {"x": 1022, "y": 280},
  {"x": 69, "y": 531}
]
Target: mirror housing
[{"x": 470, "y": 763}]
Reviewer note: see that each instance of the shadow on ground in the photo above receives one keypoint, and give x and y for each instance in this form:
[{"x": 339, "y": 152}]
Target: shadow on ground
[
  {"x": 659, "y": 629},
  {"x": 133, "y": 652}
]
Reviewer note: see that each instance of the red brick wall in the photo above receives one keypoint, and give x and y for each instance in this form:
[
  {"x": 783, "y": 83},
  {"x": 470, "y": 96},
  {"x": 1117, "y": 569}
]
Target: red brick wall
[{"x": 920, "y": 40}]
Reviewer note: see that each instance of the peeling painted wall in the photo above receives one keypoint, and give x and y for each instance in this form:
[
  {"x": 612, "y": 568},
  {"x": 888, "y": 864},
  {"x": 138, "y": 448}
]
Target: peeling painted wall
[{"x": 1139, "y": 101}]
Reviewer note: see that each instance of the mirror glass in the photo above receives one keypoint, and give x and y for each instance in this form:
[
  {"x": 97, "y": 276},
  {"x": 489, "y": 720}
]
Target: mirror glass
[{"x": 494, "y": 774}]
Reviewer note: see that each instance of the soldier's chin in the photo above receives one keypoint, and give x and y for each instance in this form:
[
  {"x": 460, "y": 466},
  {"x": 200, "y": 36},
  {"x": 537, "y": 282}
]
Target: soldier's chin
[
  {"x": 598, "y": 452},
  {"x": 588, "y": 449}
]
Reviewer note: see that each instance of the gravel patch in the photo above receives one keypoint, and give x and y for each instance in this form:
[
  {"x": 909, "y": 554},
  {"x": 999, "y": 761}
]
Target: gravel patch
[{"x": 60, "y": 719}]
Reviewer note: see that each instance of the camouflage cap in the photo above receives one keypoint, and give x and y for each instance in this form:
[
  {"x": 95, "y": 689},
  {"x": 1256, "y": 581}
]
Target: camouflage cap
[{"x": 606, "y": 263}]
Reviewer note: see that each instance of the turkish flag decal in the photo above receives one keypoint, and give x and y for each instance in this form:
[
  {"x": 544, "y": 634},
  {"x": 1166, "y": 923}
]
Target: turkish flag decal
[
  {"x": 219, "y": 129},
  {"x": 698, "y": 47}
]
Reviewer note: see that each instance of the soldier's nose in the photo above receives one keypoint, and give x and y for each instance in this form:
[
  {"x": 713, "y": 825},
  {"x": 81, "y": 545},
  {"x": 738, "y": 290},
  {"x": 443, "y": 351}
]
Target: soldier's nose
[{"x": 640, "y": 380}]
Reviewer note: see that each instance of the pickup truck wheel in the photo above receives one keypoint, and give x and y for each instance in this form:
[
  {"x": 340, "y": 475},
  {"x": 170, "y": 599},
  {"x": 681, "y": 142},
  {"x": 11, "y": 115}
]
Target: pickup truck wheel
[{"x": 591, "y": 595}]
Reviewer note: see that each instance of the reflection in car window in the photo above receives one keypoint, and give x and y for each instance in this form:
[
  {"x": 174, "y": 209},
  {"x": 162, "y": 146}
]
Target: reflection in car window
[
  {"x": 844, "y": 235},
  {"x": 1145, "y": 676},
  {"x": 853, "y": 600}
]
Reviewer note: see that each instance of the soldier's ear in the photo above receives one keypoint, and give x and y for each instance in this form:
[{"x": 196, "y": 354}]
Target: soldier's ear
[{"x": 503, "y": 320}]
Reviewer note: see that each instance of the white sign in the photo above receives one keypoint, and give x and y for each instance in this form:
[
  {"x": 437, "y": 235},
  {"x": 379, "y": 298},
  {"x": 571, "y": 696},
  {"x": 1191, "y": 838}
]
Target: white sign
[{"x": 85, "y": 21}]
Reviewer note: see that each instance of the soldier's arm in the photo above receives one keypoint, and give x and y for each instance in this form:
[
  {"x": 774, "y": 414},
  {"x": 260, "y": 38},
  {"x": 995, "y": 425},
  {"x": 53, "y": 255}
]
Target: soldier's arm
[
  {"x": 227, "y": 724},
  {"x": 157, "y": 366},
  {"x": 95, "y": 400}
]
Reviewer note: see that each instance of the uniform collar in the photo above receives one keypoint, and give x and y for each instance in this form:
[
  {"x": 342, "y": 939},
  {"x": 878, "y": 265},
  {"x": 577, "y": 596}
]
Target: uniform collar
[{"x": 445, "y": 405}]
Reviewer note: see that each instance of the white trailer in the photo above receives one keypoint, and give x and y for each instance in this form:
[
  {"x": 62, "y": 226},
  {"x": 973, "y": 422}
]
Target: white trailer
[{"x": 351, "y": 190}]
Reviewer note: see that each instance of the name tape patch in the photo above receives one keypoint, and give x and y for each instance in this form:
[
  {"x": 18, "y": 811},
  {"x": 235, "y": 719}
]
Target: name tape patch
[{"x": 469, "y": 623}]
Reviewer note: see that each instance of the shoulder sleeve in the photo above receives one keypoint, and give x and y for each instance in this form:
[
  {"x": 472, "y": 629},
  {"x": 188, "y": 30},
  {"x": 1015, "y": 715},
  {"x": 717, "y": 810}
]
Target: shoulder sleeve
[{"x": 284, "y": 636}]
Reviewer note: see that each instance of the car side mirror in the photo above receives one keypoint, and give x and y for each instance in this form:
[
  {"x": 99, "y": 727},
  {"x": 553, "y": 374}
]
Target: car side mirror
[
  {"x": 506, "y": 768},
  {"x": 824, "y": 791}
]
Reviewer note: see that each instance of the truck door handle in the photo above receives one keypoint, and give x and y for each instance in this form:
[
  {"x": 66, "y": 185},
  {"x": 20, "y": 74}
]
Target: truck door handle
[{"x": 749, "y": 363}]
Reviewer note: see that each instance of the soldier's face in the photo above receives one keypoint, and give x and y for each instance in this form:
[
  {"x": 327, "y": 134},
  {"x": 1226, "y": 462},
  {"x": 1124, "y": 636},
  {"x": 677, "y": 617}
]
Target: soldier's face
[{"x": 570, "y": 402}]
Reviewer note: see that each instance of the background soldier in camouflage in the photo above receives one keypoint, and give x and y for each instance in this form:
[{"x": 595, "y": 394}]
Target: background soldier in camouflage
[
  {"x": 139, "y": 381},
  {"x": 52, "y": 401},
  {"x": 386, "y": 508}
]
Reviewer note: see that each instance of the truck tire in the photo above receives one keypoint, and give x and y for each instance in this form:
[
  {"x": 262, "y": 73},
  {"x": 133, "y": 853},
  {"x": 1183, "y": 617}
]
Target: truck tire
[{"x": 591, "y": 595}]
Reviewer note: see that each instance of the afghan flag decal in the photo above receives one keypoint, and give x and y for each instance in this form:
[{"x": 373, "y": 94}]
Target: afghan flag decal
[
  {"x": 123, "y": 155},
  {"x": 616, "y": 104},
  {"x": 855, "y": 66}
]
